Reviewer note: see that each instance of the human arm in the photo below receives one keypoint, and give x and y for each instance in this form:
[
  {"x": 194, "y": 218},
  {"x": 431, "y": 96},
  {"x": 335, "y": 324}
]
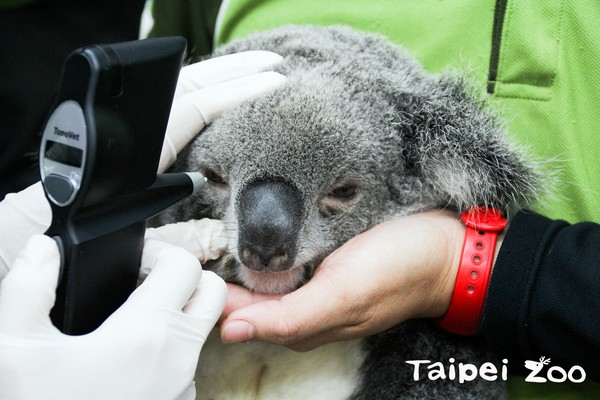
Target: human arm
[{"x": 543, "y": 295}]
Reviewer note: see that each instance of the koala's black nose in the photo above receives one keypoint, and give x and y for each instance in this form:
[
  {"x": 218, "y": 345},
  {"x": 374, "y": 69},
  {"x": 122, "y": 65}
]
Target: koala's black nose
[{"x": 269, "y": 219}]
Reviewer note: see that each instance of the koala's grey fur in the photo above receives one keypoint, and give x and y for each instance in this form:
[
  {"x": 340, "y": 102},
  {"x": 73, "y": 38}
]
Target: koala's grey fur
[{"x": 358, "y": 112}]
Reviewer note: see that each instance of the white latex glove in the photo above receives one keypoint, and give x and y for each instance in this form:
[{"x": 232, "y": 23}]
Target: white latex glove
[
  {"x": 204, "y": 91},
  {"x": 207, "y": 89},
  {"x": 204, "y": 238},
  {"x": 21, "y": 214},
  {"x": 148, "y": 349}
]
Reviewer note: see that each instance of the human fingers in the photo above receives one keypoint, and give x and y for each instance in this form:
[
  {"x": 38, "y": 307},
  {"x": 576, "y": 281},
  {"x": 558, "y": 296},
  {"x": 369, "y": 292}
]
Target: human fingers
[
  {"x": 28, "y": 292},
  {"x": 192, "y": 111},
  {"x": 225, "y": 68},
  {"x": 291, "y": 319},
  {"x": 174, "y": 275},
  {"x": 207, "y": 302},
  {"x": 204, "y": 238},
  {"x": 22, "y": 214}
]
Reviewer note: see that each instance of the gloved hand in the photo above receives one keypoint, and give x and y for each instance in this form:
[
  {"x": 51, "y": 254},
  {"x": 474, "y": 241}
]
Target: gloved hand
[
  {"x": 204, "y": 91},
  {"x": 148, "y": 349},
  {"x": 204, "y": 238},
  {"x": 207, "y": 89}
]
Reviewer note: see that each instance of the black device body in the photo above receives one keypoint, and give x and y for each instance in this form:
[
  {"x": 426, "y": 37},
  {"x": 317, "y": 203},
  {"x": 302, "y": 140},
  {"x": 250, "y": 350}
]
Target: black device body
[{"x": 98, "y": 160}]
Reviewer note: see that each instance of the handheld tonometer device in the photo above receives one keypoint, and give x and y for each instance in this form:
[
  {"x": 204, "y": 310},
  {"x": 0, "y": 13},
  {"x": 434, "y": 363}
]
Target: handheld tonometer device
[{"x": 99, "y": 155}]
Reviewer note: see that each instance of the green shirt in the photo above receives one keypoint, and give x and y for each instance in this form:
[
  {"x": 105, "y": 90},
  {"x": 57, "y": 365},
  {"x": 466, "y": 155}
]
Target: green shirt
[{"x": 538, "y": 60}]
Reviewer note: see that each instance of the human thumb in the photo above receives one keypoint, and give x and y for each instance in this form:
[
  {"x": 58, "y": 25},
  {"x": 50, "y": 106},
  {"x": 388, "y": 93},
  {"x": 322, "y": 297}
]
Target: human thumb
[
  {"x": 29, "y": 290},
  {"x": 291, "y": 319}
]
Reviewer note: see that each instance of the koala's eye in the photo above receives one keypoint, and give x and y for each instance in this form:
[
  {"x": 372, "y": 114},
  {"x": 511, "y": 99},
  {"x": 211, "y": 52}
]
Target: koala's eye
[
  {"x": 344, "y": 192},
  {"x": 213, "y": 177}
]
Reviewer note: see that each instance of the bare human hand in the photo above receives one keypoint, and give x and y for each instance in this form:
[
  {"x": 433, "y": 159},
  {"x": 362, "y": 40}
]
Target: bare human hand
[{"x": 398, "y": 270}]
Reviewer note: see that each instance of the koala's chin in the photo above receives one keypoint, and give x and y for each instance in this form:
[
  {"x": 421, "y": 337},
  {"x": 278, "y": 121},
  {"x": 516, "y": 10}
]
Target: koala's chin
[
  {"x": 271, "y": 282},
  {"x": 266, "y": 282}
]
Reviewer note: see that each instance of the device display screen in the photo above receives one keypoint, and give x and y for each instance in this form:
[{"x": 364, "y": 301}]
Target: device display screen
[{"x": 64, "y": 154}]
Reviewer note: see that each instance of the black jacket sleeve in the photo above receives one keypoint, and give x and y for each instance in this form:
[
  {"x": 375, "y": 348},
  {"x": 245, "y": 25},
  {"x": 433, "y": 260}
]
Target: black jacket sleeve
[{"x": 544, "y": 295}]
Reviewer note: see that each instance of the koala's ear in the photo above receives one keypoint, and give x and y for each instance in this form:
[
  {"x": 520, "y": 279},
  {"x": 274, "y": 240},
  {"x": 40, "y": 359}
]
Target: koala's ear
[{"x": 456, "y": 148}]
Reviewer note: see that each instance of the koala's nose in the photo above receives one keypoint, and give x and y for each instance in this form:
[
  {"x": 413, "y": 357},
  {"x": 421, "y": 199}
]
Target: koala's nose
[{"x": 269, "y": 219}]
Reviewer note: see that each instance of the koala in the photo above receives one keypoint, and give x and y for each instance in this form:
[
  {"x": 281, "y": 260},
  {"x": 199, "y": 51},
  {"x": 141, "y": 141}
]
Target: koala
[{"x": 357, "y": 135}]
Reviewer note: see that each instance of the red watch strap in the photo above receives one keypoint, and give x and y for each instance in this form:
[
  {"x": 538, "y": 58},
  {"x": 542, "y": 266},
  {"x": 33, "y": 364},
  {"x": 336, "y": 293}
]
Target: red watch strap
[{"x": 464, "y": 313}]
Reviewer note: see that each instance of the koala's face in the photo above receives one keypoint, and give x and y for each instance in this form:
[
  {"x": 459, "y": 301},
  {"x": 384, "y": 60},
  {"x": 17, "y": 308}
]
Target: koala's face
[{"x": 293, "y": 174}]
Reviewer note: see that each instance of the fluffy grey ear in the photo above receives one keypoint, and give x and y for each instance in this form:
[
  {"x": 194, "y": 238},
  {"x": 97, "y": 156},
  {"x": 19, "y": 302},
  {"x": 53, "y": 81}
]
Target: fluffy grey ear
[{"x": 456, "y": 148}]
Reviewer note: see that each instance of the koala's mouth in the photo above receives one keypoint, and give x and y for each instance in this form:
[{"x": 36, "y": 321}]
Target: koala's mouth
[
  {"x": 271, "y": 282},
  {"x": 266, "y": 282}
]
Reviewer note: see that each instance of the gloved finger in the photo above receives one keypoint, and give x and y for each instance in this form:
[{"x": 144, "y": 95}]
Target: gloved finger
[
  {"x": 220, "y": 69},
  {"x": 204, "y": 238},
  {"x": 29, "y": 290},
  {"x": 22, "y": 214},
  {"x": 189, "y": 393},
  {"x": 191, "y": 112},
  {"x": 173, "y": 278},
  {"x": 207, "y": 302}
]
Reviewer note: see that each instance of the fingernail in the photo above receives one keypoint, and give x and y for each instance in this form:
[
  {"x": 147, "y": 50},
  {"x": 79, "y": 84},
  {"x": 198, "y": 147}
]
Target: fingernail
[{"x": 237, "y": 331}]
